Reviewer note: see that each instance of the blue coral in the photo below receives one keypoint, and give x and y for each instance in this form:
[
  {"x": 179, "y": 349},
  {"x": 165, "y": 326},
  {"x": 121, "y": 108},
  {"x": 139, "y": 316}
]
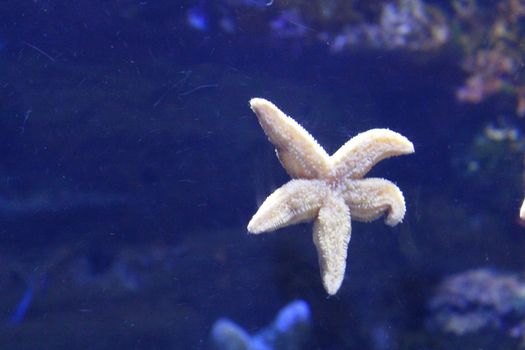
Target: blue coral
[{"x": 288, "y": 331}]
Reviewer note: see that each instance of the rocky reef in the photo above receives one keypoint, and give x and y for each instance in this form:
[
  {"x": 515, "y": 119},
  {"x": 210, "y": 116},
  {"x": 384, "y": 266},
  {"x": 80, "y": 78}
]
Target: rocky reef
[{"x": 480, "y": 300}]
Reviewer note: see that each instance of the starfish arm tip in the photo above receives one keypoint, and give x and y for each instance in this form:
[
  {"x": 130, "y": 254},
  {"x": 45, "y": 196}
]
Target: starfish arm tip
[
  {"x": 359, "y": 154},
  {"x": 404, "y": 145},
  {"x": 331, "y": 284},
  {"x": 255, "y": 226},
  {"x": 395, "y": 215},
  {"x": 410, "y": 148},
  {"x": 257, "y": 102},
  {"x": 393, "y": 220},
  {"x": 397, "y": 210},
  {"x": 253, "y": 231}
]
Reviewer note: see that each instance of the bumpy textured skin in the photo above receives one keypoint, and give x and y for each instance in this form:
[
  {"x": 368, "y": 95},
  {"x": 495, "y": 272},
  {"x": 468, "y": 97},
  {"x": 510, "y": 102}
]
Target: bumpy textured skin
[
  {"x": 331, "y": 238},
  {"x": 299, "y": 153}
]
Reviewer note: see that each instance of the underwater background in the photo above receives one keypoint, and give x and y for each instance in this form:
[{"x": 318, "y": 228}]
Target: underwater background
[{"x": 131, "y": 163}]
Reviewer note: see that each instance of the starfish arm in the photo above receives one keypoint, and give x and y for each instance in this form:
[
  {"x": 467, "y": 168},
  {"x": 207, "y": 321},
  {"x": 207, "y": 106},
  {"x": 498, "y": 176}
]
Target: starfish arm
[
  {"x": 297, "y": 150},
  {"x": 331, "y": 237},
  {"x": 296, "y": 201},
  {"x": 370, "y": 198},
  {"x": 357, "y": 156}
]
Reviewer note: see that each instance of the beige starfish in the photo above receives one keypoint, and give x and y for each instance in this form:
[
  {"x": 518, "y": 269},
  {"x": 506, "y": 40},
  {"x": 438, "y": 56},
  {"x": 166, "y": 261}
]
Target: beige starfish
[{"x": 328, "y": 189}]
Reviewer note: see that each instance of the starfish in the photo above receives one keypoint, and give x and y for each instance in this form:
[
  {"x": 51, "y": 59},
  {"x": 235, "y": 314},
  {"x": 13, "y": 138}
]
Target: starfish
[{"x": 331, "y": 190}]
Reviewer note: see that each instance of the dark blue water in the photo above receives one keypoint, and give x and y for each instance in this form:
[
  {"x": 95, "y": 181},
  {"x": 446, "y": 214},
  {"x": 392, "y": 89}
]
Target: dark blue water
[{"x": 131, "y": 164}]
